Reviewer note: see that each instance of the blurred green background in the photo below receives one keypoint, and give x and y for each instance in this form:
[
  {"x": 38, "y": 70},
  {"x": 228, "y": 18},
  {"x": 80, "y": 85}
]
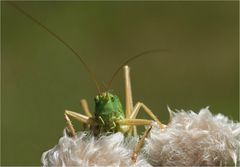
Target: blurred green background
[{"x": 41, "y": 78}]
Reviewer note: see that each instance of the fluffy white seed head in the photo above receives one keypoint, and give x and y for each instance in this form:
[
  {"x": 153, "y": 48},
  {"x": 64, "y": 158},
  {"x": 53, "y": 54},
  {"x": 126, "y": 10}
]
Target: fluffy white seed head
[
  {"x": 194, "y": 140},
  {"x": 85, "y": 150}
]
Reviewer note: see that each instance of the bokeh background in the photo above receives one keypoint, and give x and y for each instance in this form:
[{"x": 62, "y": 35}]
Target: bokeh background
[{"x": 41, "y": 78}]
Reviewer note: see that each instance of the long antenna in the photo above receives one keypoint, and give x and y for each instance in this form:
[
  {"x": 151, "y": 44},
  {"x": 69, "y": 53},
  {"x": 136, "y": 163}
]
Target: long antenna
[
  {"x": 131, "y": 59},
  {"x": 94, "y": 78}
]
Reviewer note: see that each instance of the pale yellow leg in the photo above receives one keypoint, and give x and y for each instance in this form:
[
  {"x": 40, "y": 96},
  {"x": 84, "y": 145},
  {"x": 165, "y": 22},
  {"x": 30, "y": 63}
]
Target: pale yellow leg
[
  {"x": 140, "y": 144},
  {"x": 70, "y": 129},
  {"x": 85, "y": 107},
  {"x": 80, "y": 117},
  {"x": 137, "y": 122},
  {"x": 133, "y": 122},
  {"x": 135, "y": 133},
  {"x": 128, "y": 92},
  {"x": 146, "y": 110},
  {"x": 128, "y": 98},
  {"x": 86, "y": 111},
  {"x": 77, "y": 116}
]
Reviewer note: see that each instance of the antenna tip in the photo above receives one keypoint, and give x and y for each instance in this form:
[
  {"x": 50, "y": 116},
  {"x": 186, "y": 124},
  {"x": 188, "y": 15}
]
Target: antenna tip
[{"x": 126, "y": 67}]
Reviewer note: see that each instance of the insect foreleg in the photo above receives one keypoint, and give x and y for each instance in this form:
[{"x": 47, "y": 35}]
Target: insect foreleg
[
  {"x": 114, "y": 125},
  {"x": 146, "y": 110},
  {"x": 101, "y": 119}
]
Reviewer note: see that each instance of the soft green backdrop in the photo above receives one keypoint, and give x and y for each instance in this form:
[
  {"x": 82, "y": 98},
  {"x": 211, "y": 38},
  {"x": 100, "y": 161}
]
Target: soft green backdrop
[{"x": 41, "y": 78}]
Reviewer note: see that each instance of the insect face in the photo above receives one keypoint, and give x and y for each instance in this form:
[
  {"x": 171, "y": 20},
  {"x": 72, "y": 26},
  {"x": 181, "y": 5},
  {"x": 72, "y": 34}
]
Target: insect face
[{"x": 108, "y": 109}]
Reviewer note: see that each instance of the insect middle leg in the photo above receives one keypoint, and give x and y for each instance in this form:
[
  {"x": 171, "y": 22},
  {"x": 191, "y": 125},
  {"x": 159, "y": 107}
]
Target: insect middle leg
[
  {"x": 142, "y": 139},
  {"x": 136, "y": 110},
  {"x": 140, "y": 144}
]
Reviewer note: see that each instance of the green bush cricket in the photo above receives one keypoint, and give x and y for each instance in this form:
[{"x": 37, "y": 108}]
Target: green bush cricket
[{"x": 109, "y": 115}]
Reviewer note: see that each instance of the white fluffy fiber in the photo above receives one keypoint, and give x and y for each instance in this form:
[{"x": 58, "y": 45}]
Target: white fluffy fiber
[
  {"x": 85, "y": 150},
  {"x": 190, "y": 139},
  {"x": 194, "y": 140}
]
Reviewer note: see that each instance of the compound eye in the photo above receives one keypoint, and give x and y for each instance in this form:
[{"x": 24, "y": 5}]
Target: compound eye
[
  {"x": 96, "y": 98},
  {"x": 112, "y": 99}
]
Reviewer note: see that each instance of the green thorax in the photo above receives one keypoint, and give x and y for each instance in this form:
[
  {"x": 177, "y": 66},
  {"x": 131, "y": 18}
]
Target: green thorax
[{"x": 108, "y": 109}]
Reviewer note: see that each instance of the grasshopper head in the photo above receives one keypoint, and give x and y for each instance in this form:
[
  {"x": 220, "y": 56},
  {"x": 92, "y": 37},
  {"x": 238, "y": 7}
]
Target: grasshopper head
[{"x": 108, "y": 109}]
